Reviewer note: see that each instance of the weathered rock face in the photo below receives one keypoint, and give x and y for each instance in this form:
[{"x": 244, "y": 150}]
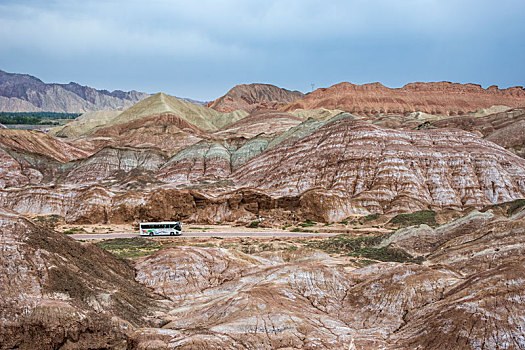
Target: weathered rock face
[
  {"x": 167, "y": 132},
  {"x": 267, "y": 122},
  {"x": 225, "y": 299},
  {"x": 254, "y": 96},
  {"x": 58, "y": 293},
  {"x": 39, "y": 143},
  {"x": 25, "y": 93},
  {"x": 114, "y": 165},
  {"x": 385, "y": 170},
  {"x": 204, "y": 161},
  {"x": 332, "y": 170},
  {"x": 506, "y": 129},
  {"x": 31, "y": 157},
  {"x": 159, "y": 104},
  {"x": 84, "y": 125},
  {"x": 434, "y": 98}
]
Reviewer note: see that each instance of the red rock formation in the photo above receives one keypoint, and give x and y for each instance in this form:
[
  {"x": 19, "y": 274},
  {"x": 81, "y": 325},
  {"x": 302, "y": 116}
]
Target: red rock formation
[
  {"x": 301, "y": 300},
  {"x": 39, "y": 143},
  {"x": 506, "y": 129},
  {"x": 434, "y": 98},
  {"x": 167, "y": 132},
  {"x": 254, "y": 96},
  {"x": 386, "y": 170},
  {"x": 269, "y": 122}
]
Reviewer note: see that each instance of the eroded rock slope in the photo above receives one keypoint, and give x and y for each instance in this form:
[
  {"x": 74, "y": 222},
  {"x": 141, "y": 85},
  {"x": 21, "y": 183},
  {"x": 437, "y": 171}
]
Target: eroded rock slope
[
  {"x": 435, "y": 98},
  {"x": 299, "y": 299},
  {"x": 58, "y": 293}
]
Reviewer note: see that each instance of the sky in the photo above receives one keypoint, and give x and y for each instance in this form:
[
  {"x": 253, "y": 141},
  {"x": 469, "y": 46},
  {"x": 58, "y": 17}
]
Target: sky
[{"x": 200, "y": 49}]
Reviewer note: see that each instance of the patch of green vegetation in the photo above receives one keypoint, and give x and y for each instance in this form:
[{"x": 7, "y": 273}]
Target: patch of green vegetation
[
  {"x": 48, "y": 220},
  {"x": 74, "y": 230},
  {"x": 298, "y": 229},
  {"x": 286, "y": 226},
  {"x": 344, "y": 222},
  {"x": 371, "y": 217},
  {"x": 514, "y": 206},
  {"x": 130, "y": 247},
  {"x": 363, "y": 247},
  {"x": 328, "y": 224},
  {"x": 417, "y": 218},
  {"x": 199, "y": 228},
  {"x": 308, "y": 223},
  {"x": 254, "y": 224},
  {"x": 31, "y": 118},
  {"x": 363, "y": 262}
]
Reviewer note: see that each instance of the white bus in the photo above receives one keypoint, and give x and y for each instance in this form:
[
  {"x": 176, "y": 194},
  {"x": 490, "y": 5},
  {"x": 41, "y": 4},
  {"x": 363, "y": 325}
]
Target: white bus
[{"x": 170, "y": 228}]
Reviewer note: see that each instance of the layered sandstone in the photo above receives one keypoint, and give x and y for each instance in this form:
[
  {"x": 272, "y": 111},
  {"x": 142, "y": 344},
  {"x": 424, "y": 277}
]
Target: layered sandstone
[
  {"x": 39, "y": 143},
  {"x": 506, "y": 128},
  {"x": 267, "y": 122},
  {"x": 84, "y": 125},
  {"x": 58, "y": 293},
  {"x": 299, "y": 299},
  {"x": 435, "y": 98},
  {"x": 332, "y": 169},
  {"x": 161, "y": 103},
  {"x": 386, "y": 170},
  {"x": 254, "y": 96}
]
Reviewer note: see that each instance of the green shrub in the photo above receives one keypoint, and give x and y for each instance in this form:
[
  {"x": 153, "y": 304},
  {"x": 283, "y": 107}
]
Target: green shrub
[
  {"x": 362, "y": 247},
  {"x": 74, "y": 230},
  {"x": 254, "y": 224},
  {"x": 371, "y": 217},
  {"x": 130, "y": 247},
  {"x": 308, "y": 223},
  {"x": 417, "y": 218},
  {"x": 515, "y": 205}
]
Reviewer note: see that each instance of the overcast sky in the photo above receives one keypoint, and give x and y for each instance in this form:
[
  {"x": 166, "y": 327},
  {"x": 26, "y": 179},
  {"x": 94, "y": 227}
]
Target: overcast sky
[{"x": 200, "y": 49}]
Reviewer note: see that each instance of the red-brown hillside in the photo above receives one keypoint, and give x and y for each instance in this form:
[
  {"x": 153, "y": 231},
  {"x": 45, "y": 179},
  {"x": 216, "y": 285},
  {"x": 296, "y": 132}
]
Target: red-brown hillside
[
  {"x": 435, "y": 98},
  {"x": 254, "y": 96}
]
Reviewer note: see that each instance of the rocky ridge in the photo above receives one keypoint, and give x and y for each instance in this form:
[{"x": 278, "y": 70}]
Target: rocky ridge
[
  {"x": 506, "y": 128},
  {"x": 25, "y": 93},
  {"x": 441, "y": 98},
  {"x": 333, "y": 169},
  {"x": 254, "y": 96}
]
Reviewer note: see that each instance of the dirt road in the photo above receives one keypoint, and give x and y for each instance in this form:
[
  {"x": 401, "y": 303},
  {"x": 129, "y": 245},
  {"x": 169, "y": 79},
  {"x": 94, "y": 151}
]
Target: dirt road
[{"x": 85, "y": 236}]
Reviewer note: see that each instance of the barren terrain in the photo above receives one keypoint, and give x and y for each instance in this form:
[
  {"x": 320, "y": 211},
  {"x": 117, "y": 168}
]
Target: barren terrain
[{"x": 354, "y": 217}]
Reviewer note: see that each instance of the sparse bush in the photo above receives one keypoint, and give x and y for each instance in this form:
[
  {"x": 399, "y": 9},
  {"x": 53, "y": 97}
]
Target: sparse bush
[
  {"x": 371, "y": 217},
  {"x": 362, "y": 247},
  {"x": 254, "y": 224},
  {"x": 74, "y": 230},
  {"x": 130, "y": 247},
  {"x": 417, "y": 218},
  {"x": 515, "y": 206},
  {"x": 308, "y": 223}
]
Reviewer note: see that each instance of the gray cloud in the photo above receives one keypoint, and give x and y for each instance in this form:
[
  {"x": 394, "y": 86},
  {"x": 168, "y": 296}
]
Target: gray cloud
[{"x": 202, "y": 48}]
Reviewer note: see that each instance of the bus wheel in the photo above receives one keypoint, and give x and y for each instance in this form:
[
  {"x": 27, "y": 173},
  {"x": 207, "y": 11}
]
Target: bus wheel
[{"x": 151, "y": 233}]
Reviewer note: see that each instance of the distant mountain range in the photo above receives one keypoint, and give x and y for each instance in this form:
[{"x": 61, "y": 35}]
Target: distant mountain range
[{"x": 26, "y": 93}]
